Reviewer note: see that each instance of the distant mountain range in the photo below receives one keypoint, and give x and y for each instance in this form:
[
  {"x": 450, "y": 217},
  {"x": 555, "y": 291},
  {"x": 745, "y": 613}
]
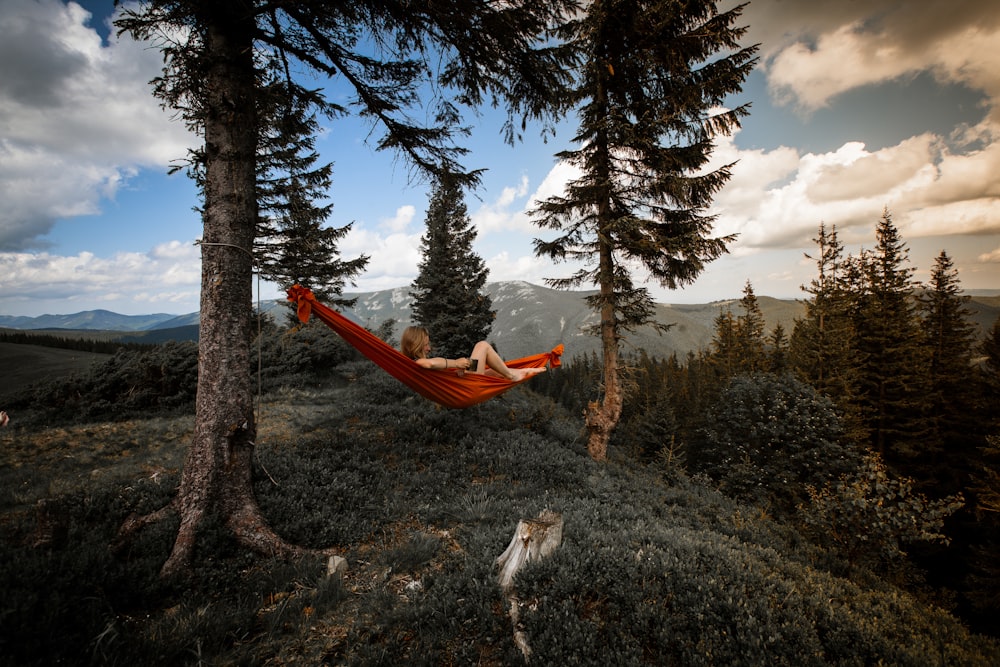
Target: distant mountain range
[
  {"x": 103, "y": 320},
  {"x": 530, "y": 318}
]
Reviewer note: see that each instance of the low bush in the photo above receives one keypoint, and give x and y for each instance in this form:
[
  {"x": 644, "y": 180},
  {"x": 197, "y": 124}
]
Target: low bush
[
  {"x": 770, "y": 437},
  {"x": 869, "y": 517}
]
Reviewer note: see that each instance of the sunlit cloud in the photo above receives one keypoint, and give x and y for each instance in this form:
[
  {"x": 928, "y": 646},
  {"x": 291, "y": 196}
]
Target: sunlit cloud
[{"x": 393, "y": 258}]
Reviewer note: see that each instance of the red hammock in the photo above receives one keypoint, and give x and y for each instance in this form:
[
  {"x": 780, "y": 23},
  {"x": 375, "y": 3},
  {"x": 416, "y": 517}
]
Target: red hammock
[{"x": 443, "y": 386}]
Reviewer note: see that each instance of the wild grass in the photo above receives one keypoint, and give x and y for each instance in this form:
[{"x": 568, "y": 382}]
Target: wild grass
[{"x": 420, "y": 501}]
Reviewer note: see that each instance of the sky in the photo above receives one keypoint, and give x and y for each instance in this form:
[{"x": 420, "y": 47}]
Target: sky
[{"x": 857, "y": 107}]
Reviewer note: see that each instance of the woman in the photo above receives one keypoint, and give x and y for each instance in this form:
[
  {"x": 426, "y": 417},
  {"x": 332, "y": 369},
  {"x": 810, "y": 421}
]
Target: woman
[{"x": 415, "y": 343}]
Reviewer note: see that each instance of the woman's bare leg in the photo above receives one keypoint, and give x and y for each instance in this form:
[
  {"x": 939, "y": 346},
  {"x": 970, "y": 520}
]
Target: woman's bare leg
[{"x": 487, "y": 359}]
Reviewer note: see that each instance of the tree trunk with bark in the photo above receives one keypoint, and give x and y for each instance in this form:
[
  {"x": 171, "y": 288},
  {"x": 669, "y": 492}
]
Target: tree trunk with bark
[
  {"x": 217, "y": 476},
  {"x": 601, "y": 417},
  {"x": 216, "y": 467}
]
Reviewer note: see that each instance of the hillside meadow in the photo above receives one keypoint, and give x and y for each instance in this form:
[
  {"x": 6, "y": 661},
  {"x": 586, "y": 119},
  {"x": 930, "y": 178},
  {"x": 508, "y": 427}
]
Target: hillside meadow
[
  {"x": 653, "y": 568},
  {"x": 24, "y": 365}
]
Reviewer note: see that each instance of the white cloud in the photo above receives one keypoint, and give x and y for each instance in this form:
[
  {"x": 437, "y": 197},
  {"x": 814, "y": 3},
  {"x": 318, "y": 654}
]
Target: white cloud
[
  {"x": 120, "y": 282},
  {"x": 813, "y": 51},
  {"x": 510, "y": 211},
  {"x": 528, "y": 268},
  {"x": 78, "y": 117},
  {"x": 393, "y": 257},
  {"x": 777, "y": 199},
  {"x": 840, "y": 61},
  {"x": 399, "y": 222},
  {"x": 502, "y": 214}
]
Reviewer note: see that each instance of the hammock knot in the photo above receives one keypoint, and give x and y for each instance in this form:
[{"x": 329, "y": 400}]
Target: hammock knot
[
  {"x": 555, "y": 360},
  {"x": 303, "y": 298}
]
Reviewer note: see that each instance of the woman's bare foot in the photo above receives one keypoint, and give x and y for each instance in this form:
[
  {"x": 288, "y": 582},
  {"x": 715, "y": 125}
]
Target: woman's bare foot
[{"x": 524, "y": 373}]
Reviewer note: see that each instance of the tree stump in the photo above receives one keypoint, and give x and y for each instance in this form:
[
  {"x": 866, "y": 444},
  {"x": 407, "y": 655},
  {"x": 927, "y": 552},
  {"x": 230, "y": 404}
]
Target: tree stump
[
  {"x": 533, "y": 539},
  {"x": 51, "y": 524}
]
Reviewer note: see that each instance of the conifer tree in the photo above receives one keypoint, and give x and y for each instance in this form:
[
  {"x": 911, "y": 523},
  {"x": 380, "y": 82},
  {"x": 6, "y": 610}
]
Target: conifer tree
[
  {"x": 737, "y": 345},
  {"x": 893, "y": 366},
  {"x": 724, "y": 348},
  {"x": 777, "y": 343},
  {"x": 984, "y": 579},
  {"x": 293, "y": 244},
  {"x": 949, "y": 335},
  {"x": 654, "y": 73},
  {"x": 989, "y": 385},
  {"x": 821, "y": 348},
  {"x": 984, "y": 561},
  {"x": 749, "y": 333},
  {"x": 448, "y": 296},
  {"x": 653, "y": 434}
]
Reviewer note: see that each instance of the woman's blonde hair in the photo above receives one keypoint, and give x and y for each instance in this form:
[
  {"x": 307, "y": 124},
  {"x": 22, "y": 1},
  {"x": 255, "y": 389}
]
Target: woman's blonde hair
[{"x": 412, "y": 342}]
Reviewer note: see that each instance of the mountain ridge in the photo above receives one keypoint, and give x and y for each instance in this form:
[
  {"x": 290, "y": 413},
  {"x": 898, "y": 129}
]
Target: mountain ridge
[
  {"x": 529, "y": 318},
  {"x": 88, "y": 320}
]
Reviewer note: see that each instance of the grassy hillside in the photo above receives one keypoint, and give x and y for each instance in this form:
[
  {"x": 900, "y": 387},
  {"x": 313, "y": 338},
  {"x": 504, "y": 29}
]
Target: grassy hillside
[
  {"x": 26, "y": 364},
  {"x": 420, "y": 501}
]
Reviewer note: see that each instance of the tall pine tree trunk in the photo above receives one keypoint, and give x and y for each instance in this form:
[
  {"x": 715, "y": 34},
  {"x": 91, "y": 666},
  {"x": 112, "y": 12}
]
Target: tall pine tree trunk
[
  {"x": 217, "y": 471},
  {"x": 602, "y": 417}
]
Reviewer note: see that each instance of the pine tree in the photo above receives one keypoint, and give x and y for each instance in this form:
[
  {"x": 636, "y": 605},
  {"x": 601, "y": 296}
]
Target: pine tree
[
  {"x": 984, "y": 561},
  {"x": 653, "y": 74},
  {"x": 738, "y": 345},
  {"x": 984, "y": 580},
  {"x": 989, "y": 385},
  {"x": 949, "y": 335},
  {"x": 893, "y": 363},
  {"x": 293, "y": 245},
  {"x": 653, "y": 434},
  {"x": 822, "y": 347},
  {"x": 448, "y": 296},
  {"x": 724, "y": 354},
  {"x": 749, "y": 333},
  {"x": 777, "y": 343}
]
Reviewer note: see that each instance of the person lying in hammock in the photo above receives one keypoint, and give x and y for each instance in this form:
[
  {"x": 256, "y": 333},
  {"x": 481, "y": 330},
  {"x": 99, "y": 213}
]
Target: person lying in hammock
[{"x": 415, "y": 343}]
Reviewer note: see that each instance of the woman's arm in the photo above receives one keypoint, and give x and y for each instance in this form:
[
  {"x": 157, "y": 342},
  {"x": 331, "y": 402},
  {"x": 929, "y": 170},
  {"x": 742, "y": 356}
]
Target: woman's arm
[
  {"x": 434, "y": 362},
  {"x": 441, "y": 363}
]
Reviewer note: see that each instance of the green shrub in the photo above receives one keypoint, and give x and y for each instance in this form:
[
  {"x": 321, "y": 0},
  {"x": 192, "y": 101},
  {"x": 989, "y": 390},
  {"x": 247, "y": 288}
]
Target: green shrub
[
  {"x": 770, "y": 437},
  {"x": 133, "y": 383},
  {"x": 868, "y": 517},
  {"x": 622, "y": 592},
  {"x": 306, "y": 355}
]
